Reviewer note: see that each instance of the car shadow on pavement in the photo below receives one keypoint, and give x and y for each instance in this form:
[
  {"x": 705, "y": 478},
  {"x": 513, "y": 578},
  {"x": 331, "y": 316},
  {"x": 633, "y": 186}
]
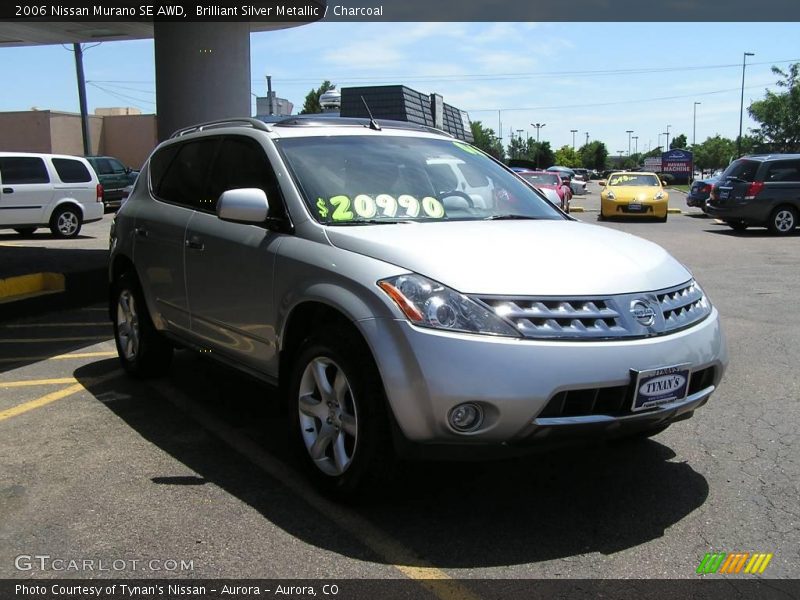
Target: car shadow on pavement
[
  {"x": 751, "y": 233},
  {"x": 604, "y": 498}
]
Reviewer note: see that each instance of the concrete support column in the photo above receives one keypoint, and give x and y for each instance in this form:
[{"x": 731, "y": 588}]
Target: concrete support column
[{"x": 202, "y": 73}]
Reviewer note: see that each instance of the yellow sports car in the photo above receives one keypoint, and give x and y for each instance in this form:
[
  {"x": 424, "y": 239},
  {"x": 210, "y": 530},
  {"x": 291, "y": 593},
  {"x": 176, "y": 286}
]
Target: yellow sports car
[{"x": 633, "y": 194}]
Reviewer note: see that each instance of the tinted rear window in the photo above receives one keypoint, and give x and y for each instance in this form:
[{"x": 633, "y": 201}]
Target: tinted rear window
[
  {"x": 185, "y": 180},
  {"x": 742, "y": 169},
  {"x": 783, "y": 170},
  {"x": 71, "y": 171},
  {"x": 23, "y": 169},
  {"x": 159, "y": 163}
]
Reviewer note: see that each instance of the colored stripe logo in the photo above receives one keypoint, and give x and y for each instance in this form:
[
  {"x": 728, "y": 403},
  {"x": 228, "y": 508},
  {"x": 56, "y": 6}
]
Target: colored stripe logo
[{"x": 734, "y": 563}]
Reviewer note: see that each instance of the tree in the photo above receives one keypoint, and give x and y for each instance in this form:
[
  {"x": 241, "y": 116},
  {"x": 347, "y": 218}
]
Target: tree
[
  {"x": 540, "y": 153},
  {"x": 486, "y": 140},
  {"x": 517, "y": 148},
  {"x": 593, "y": 155},
  {"x": 714, "y": 153},
  {"x": 779, "y": 114},
  {"x": 678, "y": 142},
  {"x": 311, "y": 104},
  {"x": 567, "y": 157}
]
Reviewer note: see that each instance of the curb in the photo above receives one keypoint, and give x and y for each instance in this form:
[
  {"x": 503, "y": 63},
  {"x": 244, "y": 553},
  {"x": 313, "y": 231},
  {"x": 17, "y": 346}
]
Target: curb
[{"x": 34, "y": 293}]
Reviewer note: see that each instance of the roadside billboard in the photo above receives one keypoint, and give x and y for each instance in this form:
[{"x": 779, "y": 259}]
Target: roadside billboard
[{"x": 677, "y": 163}]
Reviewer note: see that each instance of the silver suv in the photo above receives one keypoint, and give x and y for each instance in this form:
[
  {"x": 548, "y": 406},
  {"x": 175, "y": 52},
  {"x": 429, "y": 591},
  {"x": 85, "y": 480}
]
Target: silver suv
[{"x": 332, "y": 257}]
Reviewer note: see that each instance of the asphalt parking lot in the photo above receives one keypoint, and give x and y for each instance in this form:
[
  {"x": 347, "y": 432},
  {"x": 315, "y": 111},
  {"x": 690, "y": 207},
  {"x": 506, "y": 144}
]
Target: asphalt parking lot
[{"x": 194, "y": 467}]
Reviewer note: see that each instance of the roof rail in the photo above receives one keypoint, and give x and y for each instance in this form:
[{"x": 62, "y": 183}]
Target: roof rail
[
  {"x": 336, "y": 121},
  {"x": 241, "y": 121}
]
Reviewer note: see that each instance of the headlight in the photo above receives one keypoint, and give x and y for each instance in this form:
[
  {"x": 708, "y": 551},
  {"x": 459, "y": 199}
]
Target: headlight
[
  {"x": 430, "y": 304},
  {"x": 610, "y": 195},
  {"x": 659, "y": 196}
]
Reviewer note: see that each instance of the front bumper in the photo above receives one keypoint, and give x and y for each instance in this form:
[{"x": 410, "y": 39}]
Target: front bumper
[
  {"x": 428, "y": 372},
  {"x": 619, "y": 208}
]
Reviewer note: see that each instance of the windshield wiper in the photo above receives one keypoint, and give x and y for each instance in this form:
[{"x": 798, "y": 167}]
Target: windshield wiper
[{"x": 511, "y": 217}]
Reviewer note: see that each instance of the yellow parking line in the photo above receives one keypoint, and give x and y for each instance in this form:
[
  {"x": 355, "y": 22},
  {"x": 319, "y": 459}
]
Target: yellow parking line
[
  {"x": 72, "y": 356},
  {"x": 393, "y": 552},
  {"x": 80, "y": 338},
  {"x": 82, "y": 324},
  {"x": 53, "y": 397},
  {"x": 33, "y": 382}
]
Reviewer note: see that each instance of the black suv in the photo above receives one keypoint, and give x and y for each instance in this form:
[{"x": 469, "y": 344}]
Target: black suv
[{"x": 762, "y": 190}]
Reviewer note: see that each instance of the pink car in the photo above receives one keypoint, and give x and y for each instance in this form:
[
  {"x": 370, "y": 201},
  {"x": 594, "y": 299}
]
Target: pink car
[{"x": 548, "y": 180}]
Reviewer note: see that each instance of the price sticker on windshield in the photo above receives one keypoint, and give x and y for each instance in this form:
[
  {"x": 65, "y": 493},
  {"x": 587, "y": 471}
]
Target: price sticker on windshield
[{"x": 364, "y": 207}]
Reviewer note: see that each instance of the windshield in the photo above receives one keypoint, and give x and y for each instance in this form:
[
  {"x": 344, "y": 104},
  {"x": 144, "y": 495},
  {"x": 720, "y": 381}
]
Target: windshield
[
  {"x": 385, "y": 179},
  {"x": 741, "y": 169},
  {"x": 541, "y": 178},
  {"x": 630, "y": 179}
]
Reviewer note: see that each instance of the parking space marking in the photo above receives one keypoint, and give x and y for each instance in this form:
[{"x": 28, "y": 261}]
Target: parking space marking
[
  {"x": 79, "y": 338},
  {"x": 393, "y": 552},
  {"x": 54, "y": 396},
  {"x": 73, "y": 356},
  {"x": 34, "y": 382},
  {"x": 81, "y": 324}
]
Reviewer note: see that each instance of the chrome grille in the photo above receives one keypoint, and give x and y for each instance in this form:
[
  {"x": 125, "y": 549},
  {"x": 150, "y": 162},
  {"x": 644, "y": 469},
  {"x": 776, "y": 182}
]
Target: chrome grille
[{"x": 610, "y": 317}]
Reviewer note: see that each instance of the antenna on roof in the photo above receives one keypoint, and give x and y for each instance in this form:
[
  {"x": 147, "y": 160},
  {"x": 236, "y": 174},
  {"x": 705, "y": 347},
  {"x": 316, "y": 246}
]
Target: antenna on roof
[{"x": 373, "y": 124}]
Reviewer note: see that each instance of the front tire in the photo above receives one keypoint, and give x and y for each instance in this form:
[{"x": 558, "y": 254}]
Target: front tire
[
  {"x": 783, "y": 220},
  {"x": 143, "y": 351},
  {"x": 338, "y": 414},
  {"x": 66, "y": 222}
]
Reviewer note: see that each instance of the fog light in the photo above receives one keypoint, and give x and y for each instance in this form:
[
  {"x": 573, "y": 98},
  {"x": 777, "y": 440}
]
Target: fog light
[{"x": 466, "y": 417}]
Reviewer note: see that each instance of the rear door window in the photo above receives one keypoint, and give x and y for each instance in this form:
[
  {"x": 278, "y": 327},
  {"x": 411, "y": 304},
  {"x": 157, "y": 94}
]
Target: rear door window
[
  {"x": 103, "y": 166},
  {"x": 71, "y": 171},
  {"x": 18, "y": 170},
  {"x": 184, "y": 181}
]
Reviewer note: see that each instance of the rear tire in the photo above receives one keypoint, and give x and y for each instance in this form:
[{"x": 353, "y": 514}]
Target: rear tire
[
  {"x": 25, "y": 231},
  {"x": 66, "y": 222},
  {"x": 783, "y": 220},
  {"x": 143, "y": 351},
  {"x": 337, "y": 411}
]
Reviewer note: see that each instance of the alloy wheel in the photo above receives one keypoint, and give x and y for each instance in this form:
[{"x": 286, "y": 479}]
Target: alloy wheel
[{"x": 127, "y": 324}]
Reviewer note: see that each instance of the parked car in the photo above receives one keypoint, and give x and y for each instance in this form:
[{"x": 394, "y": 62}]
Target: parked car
[
  {"x": 633, "y": 194},
  {"x": 318, "y": 255},
  {"x": 578, "y": 186},
  {"x": 761, "y": 190},
  {"x": 700, "y": 192},
  {"x": 114, "y": 176},
  {"x": 48, "y": 190},
  {"x": 548, "y": 181}
]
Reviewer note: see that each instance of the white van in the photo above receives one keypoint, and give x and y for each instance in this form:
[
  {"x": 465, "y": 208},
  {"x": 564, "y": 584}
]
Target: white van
[{"x": 48, "y": 190}]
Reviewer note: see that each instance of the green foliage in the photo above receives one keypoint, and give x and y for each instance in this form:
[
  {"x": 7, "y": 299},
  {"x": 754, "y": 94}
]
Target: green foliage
[
  {"x": 567, "y": 157},
  {"x": 714, "y": 153},
  {"x": 779, "y": 114},
  {"x": 539, "y": 153},
  {"x": 593, "y": 155},
  {"x": 678, "y": 142},
  {"x": 486, "y": 140},
  {"x": 311, "y": 104}
]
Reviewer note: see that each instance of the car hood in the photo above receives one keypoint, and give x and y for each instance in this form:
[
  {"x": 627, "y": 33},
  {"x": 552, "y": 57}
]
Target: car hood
[
  {"x": 635, "y": 192},
  {"x": 552, "y": 258}
]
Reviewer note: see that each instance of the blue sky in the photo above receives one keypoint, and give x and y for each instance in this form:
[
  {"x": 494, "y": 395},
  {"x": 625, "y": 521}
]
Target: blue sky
[{"x": 597, "y": 77}]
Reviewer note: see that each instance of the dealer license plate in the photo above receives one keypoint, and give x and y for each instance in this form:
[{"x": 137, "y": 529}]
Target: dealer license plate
[
  {"x": 634, "y": 207},
  {"x": 660, "y": 386}
]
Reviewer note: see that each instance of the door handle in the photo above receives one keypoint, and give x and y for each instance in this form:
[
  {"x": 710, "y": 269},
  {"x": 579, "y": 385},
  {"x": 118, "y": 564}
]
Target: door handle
[
  {"x": 195, "y": 243},
  {"x": 8, "y": 190},
  {"x": 141, "y": 232}
]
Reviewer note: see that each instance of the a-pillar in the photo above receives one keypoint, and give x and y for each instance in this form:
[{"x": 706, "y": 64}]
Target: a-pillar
[{"x": 202, "y": 73}]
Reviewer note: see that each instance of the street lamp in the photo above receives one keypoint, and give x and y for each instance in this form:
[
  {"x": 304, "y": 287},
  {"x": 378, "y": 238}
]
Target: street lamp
[
  {"x": 694, "y": 122},
  {"x": 587, "y": 138},
  {"x": 629, "y": 132},
  {"x": 741, "y": 106},
  {"x": 666, "y": 144},
  {"x": 636, "y": 144},
  {"x": 573, "y": 132},
  {"x": 538, "y": 127}
]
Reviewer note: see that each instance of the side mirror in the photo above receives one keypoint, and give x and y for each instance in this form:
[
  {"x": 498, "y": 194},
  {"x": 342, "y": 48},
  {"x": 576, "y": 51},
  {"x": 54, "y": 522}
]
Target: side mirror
[
  {"x": 602, "y": 183},
  {"x": 245, "y": 205},
  {"x": 664, "y": 182}
]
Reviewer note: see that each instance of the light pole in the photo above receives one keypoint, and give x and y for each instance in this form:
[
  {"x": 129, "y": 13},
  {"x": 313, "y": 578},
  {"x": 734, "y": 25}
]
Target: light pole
[
  {"x": 573, "y": 132},
  {"x": 658, "y": 145},
  {"x": 629, "y": 132},
  {"x": 587, "y": 138},
  {"x": 519, "y": 137},
  {"x": 538, "y": 127},
  {"x": 666, "y": 144},
  {"x": 741, "y": 106},
  {"x": 694, "y": 122},
  {"x": 636, "y": 144}
]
